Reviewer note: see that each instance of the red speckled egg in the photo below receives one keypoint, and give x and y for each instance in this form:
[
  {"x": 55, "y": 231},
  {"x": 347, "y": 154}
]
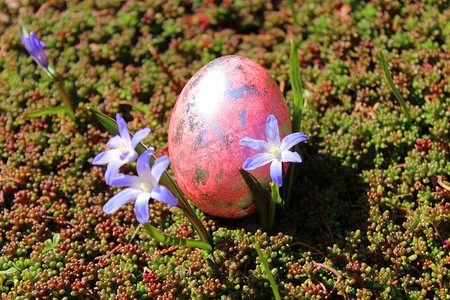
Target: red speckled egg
[{"x": 229, "y": 98}]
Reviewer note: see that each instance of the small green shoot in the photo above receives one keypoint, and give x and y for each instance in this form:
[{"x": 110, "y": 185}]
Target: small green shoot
[
  {"x": 297, "y": 87},
  {"x": 51, "y": 244},
  {"x": 266, "y": 269},
  {"x": 294, "y": 13},
  {"x": 393, "y": 87},
  {"x": 299, "y": 106},
  {"x": 275, "y": 199}
]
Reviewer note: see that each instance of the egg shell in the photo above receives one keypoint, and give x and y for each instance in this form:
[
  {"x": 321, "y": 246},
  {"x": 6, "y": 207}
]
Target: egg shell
[{"x": 229, "y": 98}]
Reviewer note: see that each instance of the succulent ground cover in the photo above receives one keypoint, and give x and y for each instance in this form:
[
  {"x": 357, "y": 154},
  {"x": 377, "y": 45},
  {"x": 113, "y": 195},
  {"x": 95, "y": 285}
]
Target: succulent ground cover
[{"x": 369, "y": 214}]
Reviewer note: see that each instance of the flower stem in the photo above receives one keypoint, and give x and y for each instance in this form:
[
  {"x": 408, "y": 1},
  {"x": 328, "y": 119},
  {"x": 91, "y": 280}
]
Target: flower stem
[
  {"x": 64, "y": 94},
  {"x": 157, "y": 235}
]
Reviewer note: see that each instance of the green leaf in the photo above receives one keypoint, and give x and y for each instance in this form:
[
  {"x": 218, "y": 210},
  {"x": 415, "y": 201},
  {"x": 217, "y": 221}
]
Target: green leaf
[
  {"x": 157, "y": 235},
  {"x": 294, "y": 13},
  {"x": 296, "y": 82},
  {"x": 266, "y": 269},
  {"x": 111, "y": 125},
  {"x": 393, "y": 87},
  {"x": 47, "y": 111},
  {"x": 56, "y": 239},
  {"x": 259, "y": 197}
]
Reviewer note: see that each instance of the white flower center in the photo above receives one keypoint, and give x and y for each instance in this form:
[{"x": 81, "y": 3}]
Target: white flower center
[
  {"x": 145, "y": 187},
  {"x": 275, "y": 152},
  {"x": 122, "y": 149}
]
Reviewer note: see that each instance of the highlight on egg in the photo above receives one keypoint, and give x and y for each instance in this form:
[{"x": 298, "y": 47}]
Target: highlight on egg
[{"x": 227, "y": 99}]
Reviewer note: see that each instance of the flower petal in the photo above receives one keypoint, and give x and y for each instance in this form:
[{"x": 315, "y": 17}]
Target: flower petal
[
  {"x": 128, "y": 156},
  {"x": 257, "y": 161},
  {"x": 289, "y": 156},
  {"x": 139, "y": 136},
  {"x": 272, "y": 132},
  {"x": 163, "y": 194},
  {"x": 27, "y": 43},
  {"x": 116, "y": 142},
  {"x": 105, "y": 157},
  {"x": 160, "y": 165},
  {"x": 292, "y": 139},
  {"x": 36, "y": 49},
  {"x": 121, "y": 180},
  {"x": 123, "y": 129},
  {"x": 112, "y": 170},
  {"x": 276, "y": 172},
  {"x": 143, "y": 164},
  {"x": 259, "y": 145},
  {"x": 141, "y": 207},
  {"x": 119, "y": 200}
]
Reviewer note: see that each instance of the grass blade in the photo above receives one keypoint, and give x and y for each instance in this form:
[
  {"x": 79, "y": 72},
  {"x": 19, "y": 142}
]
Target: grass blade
[
  {"x": 393, "y": 87},
  {"x": 266, "y": 269},
  {"x": 296, "y": 82},
  {"x": 294, "y": 14},
  {"x": 157, "y": 235}
]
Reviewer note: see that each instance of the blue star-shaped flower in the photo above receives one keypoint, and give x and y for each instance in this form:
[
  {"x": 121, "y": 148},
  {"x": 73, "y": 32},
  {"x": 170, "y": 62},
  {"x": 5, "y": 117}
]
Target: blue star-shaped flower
[
  {"x": 123, "y": 149},
  {"x": 142, "y": 187},
  {"x": 273, "y": 151}
]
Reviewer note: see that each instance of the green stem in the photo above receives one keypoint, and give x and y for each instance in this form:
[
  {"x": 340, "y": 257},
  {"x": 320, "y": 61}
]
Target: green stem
[
  {"x": 272, "y": 208},
  {"x": 393, "y": 87},
  {"x": 266, "y": 269},
  {"x": 275, "y": 199},
  {"x": 65, "y": 96},
  {"x": 157, "y": 235}
]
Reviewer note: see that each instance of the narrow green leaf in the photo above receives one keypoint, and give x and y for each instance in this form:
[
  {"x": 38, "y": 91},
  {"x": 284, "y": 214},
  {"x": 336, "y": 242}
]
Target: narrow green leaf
[
  {"x": 299, "y": 105},
  {"x": 111, "y": 125},
  {"x": 265, "y": 267},
  {"x": 296, "y": 82},
  {"x": 393, "y": 87},
  {"x": 157, "y": 235},
  {"x": 294, "y": 13},
  {"x": 259, "y": 197},
  {"x": 47, "y": 111}
]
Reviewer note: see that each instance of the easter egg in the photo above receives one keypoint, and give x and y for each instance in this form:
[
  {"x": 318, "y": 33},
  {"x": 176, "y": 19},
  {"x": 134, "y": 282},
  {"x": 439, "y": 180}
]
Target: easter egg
[{"x": 229, "y": 98}]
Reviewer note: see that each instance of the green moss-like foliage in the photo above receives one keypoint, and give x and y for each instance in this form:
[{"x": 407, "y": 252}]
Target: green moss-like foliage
[{"x": 369, "y": 216}]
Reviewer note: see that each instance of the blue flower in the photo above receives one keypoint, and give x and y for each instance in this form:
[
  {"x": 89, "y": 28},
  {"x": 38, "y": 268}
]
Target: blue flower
[
  {"x": 273, "y": 151},
  {"x": 36, "y": 48},
  {"x": 123, "y": 150},
  {"x": 142, "y": 187}
]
